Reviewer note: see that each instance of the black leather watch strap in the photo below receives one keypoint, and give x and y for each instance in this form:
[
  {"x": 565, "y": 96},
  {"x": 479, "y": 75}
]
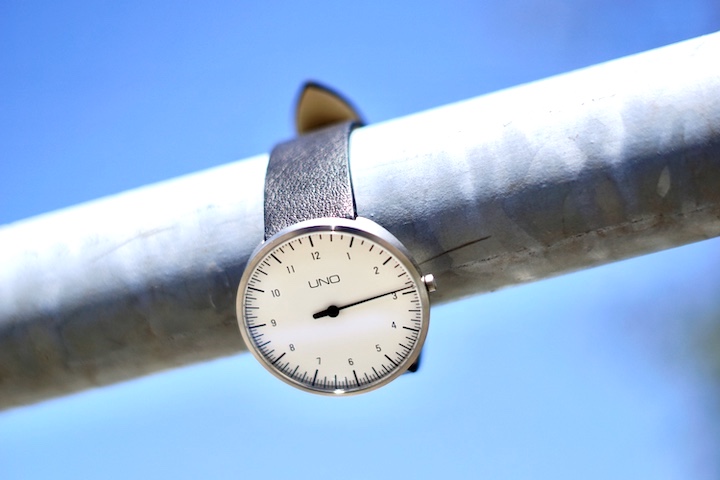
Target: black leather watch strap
[{"x": 309, "y": 177}]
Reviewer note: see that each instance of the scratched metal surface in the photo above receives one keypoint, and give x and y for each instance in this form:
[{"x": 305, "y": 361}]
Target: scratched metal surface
[
  {"x": 578, "y": 170},
  {"x": 602, "y": 164}
]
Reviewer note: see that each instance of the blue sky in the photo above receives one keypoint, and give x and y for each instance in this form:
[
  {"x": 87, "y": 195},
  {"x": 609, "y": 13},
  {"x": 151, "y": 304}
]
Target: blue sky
[{"x": 599, "y": 374}]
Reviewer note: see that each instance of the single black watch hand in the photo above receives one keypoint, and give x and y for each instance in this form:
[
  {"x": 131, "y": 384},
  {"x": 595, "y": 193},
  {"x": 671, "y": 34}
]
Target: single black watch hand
[{"x": 333, "y": 311}]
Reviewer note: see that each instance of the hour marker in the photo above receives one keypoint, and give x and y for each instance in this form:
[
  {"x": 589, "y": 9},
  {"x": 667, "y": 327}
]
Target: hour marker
[
  {"x": 278, "y": 358},
  {"x": 386, "y": 261},
  {"x": 311, "y": 242},
  {"x": 273, "y": 255},
  {"x": 256, "y": 289},
  {"x": 356, "y": 378},
  {"x": 391, "y": 360}
]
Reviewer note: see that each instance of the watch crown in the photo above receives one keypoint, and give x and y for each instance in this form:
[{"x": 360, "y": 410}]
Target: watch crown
[{"x": 429, "y": 281}]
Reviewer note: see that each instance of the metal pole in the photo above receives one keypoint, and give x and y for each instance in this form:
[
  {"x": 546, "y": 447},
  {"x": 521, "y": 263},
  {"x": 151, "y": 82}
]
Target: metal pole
[{"x": 601, "y": 164}]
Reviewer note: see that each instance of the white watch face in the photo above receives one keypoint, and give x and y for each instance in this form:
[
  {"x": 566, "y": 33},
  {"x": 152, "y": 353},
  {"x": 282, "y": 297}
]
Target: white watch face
[{"x": 333, "y": 306}]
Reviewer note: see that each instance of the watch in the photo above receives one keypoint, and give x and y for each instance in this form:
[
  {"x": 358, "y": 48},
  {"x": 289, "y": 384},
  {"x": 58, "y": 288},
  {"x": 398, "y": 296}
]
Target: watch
[{"x": 330, "y": 303}]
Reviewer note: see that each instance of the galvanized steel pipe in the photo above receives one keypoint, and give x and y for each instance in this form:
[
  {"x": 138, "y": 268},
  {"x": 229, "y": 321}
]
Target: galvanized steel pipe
[{"x": 597, "y": 165}]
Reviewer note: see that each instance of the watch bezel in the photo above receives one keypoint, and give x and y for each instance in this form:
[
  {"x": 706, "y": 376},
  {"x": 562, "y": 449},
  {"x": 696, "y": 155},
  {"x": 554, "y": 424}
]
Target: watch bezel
[{"x": 358, "y": 226}]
